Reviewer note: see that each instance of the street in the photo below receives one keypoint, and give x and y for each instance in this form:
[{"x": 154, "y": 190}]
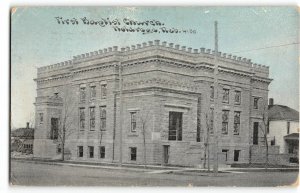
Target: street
[{"x": 43, "y": 174}]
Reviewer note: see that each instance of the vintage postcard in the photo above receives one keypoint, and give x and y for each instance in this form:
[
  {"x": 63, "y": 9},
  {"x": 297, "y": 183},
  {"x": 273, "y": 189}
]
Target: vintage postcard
[{"x": 154, "y": 96}]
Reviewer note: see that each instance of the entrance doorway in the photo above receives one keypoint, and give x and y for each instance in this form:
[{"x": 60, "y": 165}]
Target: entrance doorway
[
  {"x": 236, "y": 155},
  {"x": 225, "y": 151},
  {"x": 166, "y": 153}
]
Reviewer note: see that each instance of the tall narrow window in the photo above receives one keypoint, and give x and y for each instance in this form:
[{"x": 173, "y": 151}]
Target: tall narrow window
[
  {"x": 102, "y": 152},
  {"x": 41, "y": 118},
  {"x": 175, "y": 126},
  {"x": 288, "y": 127},
  {"x": 91, "y": 151},
  {"x": 103, "y": 91},
  {"x": 92, "y": 118},
  {"x": 54, "y": 129},
  {"x": 133, "y": 121},
  {"x": 82, "y": 118},
  {"x": 82, "y": 94},
  {"x": 103, "y": 118},
  {"x": 133, "y": 153},
  {"x": 255, "y": 133},
  {"x": 93, "y": 92},
  {"x": 237, "y": 97},
  {"x": 237, "y": 120},
  {"x": 225, "y": 95},
  {"x": 80, "y": 151},
  {"x": 212, "y": 92},
  {"x": 225, "y": 114},
  {"x": 255, "y": 102}
]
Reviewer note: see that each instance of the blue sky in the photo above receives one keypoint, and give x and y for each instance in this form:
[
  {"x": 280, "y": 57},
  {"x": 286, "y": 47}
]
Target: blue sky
[{"x": 37, "y": 40}]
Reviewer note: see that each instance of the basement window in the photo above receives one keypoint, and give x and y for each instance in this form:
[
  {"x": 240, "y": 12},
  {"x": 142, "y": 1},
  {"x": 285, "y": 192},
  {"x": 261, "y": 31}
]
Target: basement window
[
  {"x": 91, "y": 151},
  {"x": 102, "y": 152},
  {"x": 133, "y": 153},
  {"x": 80, "y": 151}
]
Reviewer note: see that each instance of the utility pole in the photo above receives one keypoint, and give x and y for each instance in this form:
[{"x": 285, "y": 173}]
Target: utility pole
[
  {"x": 216, "y": 66},
  {"x": 121, "y": 112}
]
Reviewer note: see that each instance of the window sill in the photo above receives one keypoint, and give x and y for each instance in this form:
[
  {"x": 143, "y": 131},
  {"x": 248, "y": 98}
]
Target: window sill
[
  {"x": 179, "y": 141},
  {"x": 133, "y": 135}
]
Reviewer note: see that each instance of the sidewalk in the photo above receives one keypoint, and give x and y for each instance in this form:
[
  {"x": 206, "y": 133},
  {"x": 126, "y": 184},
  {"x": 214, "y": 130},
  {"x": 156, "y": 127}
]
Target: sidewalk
[{"x": 153, "y": 169}]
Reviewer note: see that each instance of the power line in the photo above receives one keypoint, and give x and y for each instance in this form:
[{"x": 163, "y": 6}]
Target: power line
[{"x": 268, "y": 47}]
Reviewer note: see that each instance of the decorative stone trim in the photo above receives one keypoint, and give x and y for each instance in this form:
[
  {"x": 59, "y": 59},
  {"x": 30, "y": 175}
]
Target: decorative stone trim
[{"x": 177, "y": 106}]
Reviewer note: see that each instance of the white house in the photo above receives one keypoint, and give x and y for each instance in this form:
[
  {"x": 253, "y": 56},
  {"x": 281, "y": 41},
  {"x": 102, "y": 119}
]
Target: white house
[{"x": 284, "y": 129}]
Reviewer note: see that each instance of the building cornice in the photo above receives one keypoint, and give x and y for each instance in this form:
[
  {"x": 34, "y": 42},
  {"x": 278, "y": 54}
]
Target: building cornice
[{"x": 138, "y": 51}]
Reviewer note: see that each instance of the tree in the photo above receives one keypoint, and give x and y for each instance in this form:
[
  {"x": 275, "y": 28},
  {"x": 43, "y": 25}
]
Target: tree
[
  {"x": 264, "y": 130},
  {"x": 144, "y": 115},
  {"x": 206, "y": 144},
  {"x": 65, "y": 121}
]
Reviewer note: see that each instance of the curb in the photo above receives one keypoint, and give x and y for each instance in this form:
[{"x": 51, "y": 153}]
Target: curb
[{"x": 148, "y": 168}]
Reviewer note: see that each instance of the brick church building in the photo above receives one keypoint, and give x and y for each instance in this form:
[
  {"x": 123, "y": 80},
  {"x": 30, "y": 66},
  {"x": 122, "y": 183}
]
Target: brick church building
[{"x": 151, "y": 102}]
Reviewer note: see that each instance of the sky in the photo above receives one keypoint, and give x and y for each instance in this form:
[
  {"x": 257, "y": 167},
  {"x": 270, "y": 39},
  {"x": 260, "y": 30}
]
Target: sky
[{"x": 266, "y": 35}]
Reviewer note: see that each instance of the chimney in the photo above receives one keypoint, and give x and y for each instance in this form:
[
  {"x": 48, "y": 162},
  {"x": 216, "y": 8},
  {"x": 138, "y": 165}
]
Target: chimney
[
  {"x": 271, "y": 101},
  {"x": 27, "y": 125}
]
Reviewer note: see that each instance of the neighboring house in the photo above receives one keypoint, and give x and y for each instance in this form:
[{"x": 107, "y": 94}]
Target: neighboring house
[
  {"x": 22, "y": 139},
  {"x": 167, "y": 90},
  {"x": 284, "y": 129}
]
